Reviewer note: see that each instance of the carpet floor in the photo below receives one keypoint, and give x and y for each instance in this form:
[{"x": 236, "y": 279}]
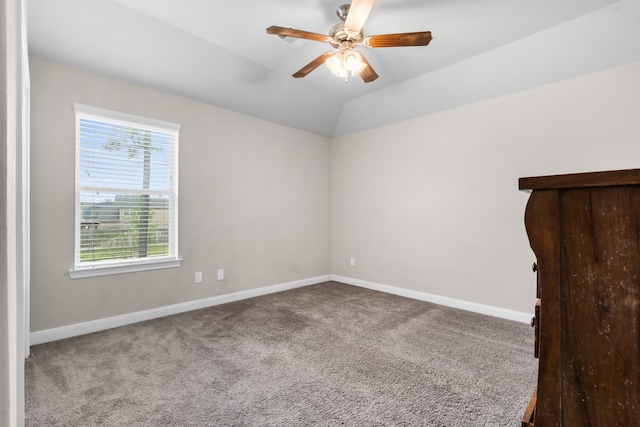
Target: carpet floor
[{"x": 323, "y": 355}]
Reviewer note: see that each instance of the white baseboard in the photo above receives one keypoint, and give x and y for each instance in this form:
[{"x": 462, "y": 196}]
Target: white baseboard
[
  {"x": 503, "y": 313},
  {"x": 69, "y": 331},
  {"x": 77, "y": 329}
]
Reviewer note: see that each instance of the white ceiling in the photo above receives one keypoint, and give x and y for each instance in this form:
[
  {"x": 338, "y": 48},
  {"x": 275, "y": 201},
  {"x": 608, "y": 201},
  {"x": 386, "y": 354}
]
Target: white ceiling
[{"x": 218, "y": 52}]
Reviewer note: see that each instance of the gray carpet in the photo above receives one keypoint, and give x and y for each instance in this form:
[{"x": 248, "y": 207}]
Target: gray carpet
[{"x": 324, "y": 355}]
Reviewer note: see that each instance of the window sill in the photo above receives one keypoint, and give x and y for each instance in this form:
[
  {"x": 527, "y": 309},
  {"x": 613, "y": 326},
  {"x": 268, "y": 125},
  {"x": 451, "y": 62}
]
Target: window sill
[{"x": 108, "y": 270}]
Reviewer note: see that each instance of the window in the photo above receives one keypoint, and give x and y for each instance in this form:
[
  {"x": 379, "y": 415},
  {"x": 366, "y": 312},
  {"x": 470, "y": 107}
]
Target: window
[{"x": 126, "y": 193}]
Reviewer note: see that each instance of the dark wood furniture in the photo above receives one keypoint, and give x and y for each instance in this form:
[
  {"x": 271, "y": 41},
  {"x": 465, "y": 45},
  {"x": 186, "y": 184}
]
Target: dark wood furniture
[{"x": 585, "y": 232}]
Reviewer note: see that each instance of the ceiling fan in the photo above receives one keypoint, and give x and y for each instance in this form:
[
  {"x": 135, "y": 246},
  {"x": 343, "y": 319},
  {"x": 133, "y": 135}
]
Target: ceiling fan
[{"x": 344, "y": 61}]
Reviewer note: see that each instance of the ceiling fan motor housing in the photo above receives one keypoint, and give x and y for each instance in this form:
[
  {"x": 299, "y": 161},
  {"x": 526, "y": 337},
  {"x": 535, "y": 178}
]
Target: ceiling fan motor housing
[{"x": 339, "y": 34}]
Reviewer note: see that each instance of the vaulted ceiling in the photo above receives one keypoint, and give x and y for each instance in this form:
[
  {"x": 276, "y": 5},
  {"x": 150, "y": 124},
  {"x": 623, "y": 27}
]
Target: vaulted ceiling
[{"x": 219, "y": 53}]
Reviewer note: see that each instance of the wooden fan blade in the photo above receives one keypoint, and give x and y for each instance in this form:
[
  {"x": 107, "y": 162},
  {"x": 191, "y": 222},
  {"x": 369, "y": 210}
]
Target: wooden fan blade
[
  {"x": 358, "y": 14},
  {"x": 368, "y": 74},
  {"x": 290, "y": 32},
  {"x": 312, "y": 65},
  {"x": 421, "y": 38}
]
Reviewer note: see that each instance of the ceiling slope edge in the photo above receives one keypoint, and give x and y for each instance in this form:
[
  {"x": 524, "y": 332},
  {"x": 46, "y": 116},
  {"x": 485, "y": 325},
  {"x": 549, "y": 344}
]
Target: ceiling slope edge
[
  {"x": 559, "y": 53},
  {"x": 194, "y": 70}
]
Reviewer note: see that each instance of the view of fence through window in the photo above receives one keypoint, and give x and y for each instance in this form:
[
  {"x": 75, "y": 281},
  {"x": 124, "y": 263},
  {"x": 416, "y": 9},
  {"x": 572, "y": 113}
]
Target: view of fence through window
[
  {"x": 118, "y": 226},
  {"x": 126, "y": 191}
]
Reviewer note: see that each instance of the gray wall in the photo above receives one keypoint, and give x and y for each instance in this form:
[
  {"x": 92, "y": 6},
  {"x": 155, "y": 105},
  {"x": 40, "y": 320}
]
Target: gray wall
[
  {"x": 429, "y": 204},
  {"x": 432, "y": 204},
  {"x": 253, "y": 199}
]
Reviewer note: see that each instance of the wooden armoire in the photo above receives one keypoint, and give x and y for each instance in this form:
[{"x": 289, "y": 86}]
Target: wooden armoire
[{"x": 585, "y": 232}]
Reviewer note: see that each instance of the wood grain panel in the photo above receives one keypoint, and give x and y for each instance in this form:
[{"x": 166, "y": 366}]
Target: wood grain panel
[
  {"x": 585, "y": 232},
  {"x": 600, "y": 306},
  {"x": 541, "y": 222},
  {"x": 581, "y": 180}
]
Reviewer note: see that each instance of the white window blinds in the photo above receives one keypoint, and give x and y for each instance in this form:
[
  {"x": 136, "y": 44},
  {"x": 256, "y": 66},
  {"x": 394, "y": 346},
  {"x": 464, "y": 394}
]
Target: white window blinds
[{"x": 126, "y": 189}]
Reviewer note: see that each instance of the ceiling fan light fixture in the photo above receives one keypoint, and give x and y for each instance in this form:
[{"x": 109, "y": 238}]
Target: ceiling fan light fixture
[{"x": 345, "y": 63}]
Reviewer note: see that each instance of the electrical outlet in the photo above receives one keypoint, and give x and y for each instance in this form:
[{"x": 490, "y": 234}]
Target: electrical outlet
[
  {"x": 352, "y": 261},
  {"x": 198, "y": 276},
  {"x": 221, "y": 274}
]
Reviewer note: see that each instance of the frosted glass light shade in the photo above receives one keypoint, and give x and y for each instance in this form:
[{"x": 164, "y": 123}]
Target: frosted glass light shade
[
  {"x": 334, "y": 63},
  {"x": 352, "y": 61},
  {"x": 345, "y": 63}
]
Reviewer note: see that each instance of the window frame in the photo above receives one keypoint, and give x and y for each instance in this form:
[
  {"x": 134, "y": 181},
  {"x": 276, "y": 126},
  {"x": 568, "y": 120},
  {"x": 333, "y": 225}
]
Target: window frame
[{"x": 109, "y": 267}]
